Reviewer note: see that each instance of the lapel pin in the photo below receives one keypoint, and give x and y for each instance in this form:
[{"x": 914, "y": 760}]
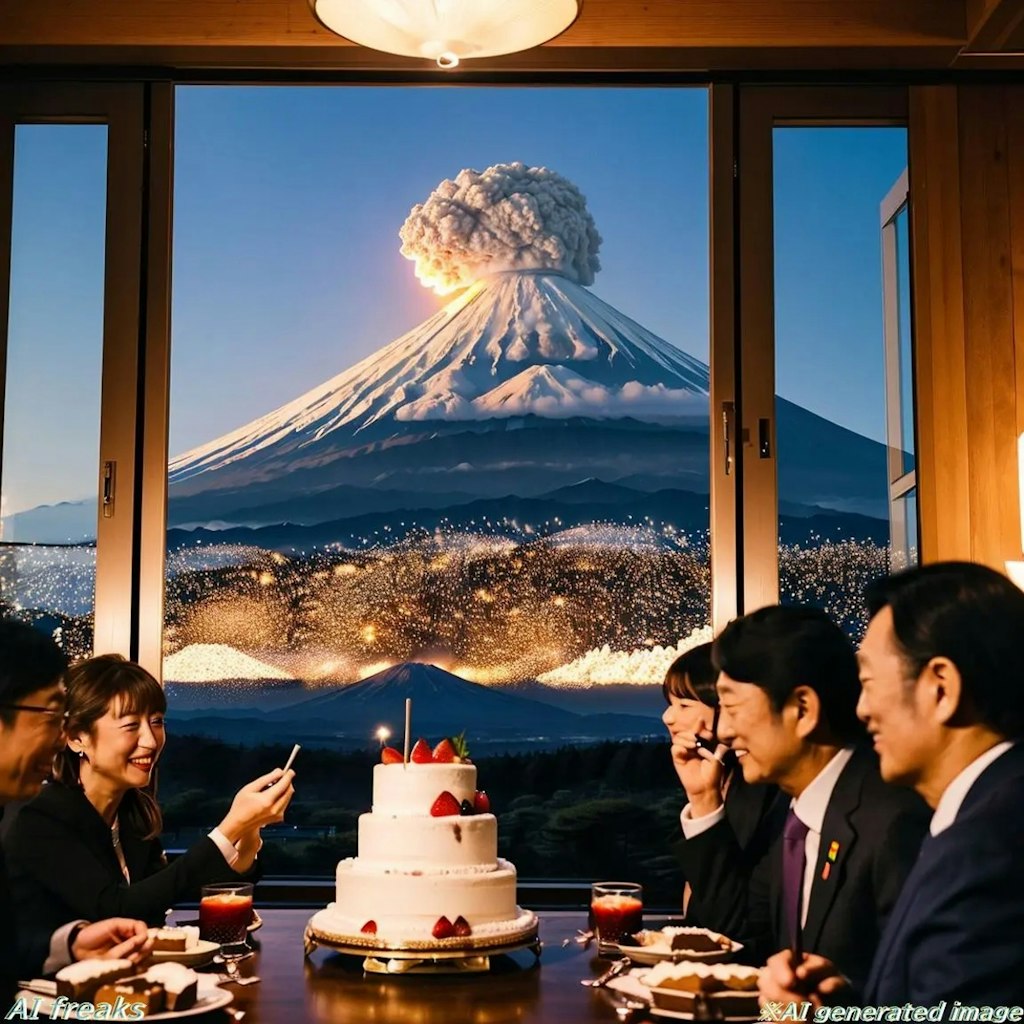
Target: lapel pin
[
  {"x": 833, "y": 850},
  {"x": 826, "y": 871}
]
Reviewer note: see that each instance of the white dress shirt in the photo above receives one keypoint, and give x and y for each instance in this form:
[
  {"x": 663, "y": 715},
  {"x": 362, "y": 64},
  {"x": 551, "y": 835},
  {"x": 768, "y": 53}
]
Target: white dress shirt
[
  {"x": 810, "y": 807},
  {"x": 955, "y": 793}
]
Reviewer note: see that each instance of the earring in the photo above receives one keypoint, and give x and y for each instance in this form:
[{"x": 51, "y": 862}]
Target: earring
[{"x": 81, "y": 754}]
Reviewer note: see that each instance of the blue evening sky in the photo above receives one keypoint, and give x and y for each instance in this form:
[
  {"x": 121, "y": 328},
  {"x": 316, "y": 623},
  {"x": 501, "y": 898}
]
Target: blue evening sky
[{"x": 288, "y": 202}]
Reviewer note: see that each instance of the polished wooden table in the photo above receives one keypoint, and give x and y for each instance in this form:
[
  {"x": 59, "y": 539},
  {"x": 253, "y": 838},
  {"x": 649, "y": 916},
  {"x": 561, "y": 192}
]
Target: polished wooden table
[{"x": 332, "y": 987}]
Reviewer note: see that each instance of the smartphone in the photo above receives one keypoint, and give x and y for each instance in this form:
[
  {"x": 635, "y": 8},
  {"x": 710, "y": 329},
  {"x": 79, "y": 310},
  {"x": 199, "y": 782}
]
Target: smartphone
[
  {"x": 291, "y": 756},
  {"x": 710, "y": 745}
]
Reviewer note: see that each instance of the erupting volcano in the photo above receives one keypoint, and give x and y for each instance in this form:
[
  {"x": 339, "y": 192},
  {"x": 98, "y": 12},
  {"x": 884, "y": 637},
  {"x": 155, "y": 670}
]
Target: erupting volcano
[{"x": 524, "y": 383}]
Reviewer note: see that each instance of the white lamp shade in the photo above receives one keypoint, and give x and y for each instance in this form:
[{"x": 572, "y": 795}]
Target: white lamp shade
[{"x": 434, "y": 28}]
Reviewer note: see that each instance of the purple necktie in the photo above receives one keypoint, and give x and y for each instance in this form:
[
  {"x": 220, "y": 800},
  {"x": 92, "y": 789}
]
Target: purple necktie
[{"x": 794, "y": 859}]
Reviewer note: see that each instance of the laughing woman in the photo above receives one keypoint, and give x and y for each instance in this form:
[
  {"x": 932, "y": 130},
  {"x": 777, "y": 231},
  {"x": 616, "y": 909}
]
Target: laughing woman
[{"x": 87, "y": 847}]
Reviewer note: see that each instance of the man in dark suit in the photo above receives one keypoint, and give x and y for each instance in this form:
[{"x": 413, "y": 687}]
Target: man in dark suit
[
  {"x": 788, "y": 693},
  {"x": 942, "y": 676},
  {"x": 31, "y": 732}
]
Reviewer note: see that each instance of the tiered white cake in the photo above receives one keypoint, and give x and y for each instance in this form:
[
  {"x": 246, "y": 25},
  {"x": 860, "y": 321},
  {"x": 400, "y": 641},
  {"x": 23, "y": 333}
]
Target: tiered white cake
[{"x": 427, "y": 871}]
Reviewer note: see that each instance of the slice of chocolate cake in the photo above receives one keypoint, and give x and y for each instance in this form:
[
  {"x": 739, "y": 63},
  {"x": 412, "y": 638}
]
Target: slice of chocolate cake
[
  {"x": 80, "y": 981},
  {"x": 174, "y": 940},
  {"x": 709, "y": 991},
  {"x": 133, "y": 992},
  {"x": 179, "y": 983},
  {"x": 695, "y": 940}
]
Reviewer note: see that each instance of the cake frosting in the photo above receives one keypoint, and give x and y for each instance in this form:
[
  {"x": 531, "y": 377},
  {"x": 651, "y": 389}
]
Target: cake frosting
[{"x": 427, "y": 867}]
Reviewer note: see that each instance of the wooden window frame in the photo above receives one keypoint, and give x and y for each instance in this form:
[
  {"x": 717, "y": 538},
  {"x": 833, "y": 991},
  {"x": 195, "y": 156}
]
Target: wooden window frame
[
  {"x": 122, "y": 109},
  {"x": 761, "y": 110}
]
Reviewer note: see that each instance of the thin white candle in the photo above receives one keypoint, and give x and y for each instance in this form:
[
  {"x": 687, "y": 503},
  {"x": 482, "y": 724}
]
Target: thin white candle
[{"x": 408, "y": 726}]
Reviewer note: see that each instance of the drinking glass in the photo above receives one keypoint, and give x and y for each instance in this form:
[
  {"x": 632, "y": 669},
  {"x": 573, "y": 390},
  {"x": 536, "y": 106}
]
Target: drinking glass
[
  {"x": 616, "y": 909},
  {"x": 225, "y": 910}
]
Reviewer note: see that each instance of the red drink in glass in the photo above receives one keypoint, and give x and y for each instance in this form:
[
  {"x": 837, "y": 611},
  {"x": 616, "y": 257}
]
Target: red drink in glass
[
  {"x": 616, "y": 909},
  {"x": 224, "y": 916},
  {"x": 615, "y": 916}
]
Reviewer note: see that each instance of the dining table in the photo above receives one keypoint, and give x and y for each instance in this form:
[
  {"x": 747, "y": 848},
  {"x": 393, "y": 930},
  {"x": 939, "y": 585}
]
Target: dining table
[{"x": 328, "y": 986}]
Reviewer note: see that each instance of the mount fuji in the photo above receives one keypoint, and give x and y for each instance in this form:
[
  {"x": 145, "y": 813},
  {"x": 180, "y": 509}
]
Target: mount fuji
[{"x": 515, "y": 344}]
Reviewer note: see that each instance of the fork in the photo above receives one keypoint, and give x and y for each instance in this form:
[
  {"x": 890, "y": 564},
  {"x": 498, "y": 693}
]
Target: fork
[{"x": 602, "y": 979}]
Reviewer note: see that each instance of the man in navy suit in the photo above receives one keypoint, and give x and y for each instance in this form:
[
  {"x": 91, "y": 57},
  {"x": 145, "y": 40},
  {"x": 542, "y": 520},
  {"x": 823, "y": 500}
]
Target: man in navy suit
[{"x": 942, "y": 677}]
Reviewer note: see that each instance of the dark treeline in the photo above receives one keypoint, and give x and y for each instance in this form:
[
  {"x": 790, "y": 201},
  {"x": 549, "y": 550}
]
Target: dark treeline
[{"x": 610, "y": 810}]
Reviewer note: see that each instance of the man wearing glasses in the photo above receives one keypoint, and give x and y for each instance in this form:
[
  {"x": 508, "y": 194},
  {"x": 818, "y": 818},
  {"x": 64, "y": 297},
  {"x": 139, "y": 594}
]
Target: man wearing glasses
[{"x": 31, "y": 731}]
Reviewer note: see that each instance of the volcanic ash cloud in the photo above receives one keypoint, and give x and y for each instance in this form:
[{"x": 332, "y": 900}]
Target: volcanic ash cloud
[{"x": 508, "y": 217}]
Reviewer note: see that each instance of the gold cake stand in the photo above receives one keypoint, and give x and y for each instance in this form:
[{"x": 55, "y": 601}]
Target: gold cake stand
[{"x": 466, "y": 955}]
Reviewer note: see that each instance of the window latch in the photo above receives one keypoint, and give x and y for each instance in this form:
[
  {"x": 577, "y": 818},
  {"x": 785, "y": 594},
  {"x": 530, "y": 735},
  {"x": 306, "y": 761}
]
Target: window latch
[
  {"x": 728, "y": 415},
  {"x": 108, "y": 489}
]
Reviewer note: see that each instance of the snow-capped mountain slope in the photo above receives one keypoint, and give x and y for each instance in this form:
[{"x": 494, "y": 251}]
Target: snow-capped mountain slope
[{"x": 514, "y": 344}]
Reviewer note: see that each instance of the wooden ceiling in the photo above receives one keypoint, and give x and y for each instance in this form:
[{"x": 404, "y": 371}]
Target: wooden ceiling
[{"x": 608, "y": 36}]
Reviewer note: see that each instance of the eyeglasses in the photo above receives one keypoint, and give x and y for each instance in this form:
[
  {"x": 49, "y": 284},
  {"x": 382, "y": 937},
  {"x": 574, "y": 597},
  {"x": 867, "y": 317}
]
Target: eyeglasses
[{"x": 55, "y": 716}]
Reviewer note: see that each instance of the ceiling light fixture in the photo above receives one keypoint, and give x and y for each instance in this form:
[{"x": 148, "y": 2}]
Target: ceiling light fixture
[{"x": 447, "y": 31}]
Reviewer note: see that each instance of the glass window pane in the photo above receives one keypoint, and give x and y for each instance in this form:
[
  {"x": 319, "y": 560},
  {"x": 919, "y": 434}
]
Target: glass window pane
[
  {"x": 905, "y": 551},
  {"x": 906, "y": 339},
  {"x": 496, "y": 483},
  {"x": 52, "y": 390},
  {"x": 830, "y": 408}
]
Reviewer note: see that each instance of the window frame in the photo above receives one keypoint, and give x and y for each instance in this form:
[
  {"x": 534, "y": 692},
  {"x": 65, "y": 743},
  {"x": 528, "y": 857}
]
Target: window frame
[
  {"x": 900, "y": 483},
  {"x": 743, "y": 486},
  {"x": 761, "y": 110},
  {"x": 122, "y": 109}
]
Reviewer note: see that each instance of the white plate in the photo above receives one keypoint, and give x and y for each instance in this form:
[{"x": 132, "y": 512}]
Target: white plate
[
  {"x": 656, "y": 1011},
  {"x": 201, "y": 953},
  {"x": 651, "y": 955},
  {"x": 210, "y": 996},
  {"x": 659, "y": 951},
  {"x": 632, "y": 984}
]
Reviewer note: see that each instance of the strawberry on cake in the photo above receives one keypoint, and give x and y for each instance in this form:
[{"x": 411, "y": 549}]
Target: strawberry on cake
[{"x": 427, "y": 871}]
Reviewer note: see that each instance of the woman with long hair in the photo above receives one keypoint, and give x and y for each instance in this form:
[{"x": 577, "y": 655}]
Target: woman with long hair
[
  {"x": 88, "y": 845},
  {"x": 716, "y": 795}
]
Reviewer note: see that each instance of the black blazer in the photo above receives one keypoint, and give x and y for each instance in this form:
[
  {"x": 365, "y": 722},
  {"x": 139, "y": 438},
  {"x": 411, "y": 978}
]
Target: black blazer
[
  {"x": 62, "y": 865},
  {"x": 22, "y": 950},
  {"x": 755, "y": 815},
  {"x": 878, "y": 829},
  {"x": 955, "y": 932},
  {"x": 8, "y": 942}
]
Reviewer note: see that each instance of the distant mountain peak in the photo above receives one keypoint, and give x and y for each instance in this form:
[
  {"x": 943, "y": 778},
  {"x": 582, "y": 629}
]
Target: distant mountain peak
[
  {"x": 514, "y": 343},
  {"x": 443, "y": 704}
]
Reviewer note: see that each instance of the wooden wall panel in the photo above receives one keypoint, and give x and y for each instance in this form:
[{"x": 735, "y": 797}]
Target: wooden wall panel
[
  {"x": 988, "y": 324},
  {"x": 751, "y": 23},
  {"x": 994, "y": 24},
  {"x": 967, "y": 195},
  {"x": 1014, "y": 110},
  {"x": 943, "y": 497}
]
